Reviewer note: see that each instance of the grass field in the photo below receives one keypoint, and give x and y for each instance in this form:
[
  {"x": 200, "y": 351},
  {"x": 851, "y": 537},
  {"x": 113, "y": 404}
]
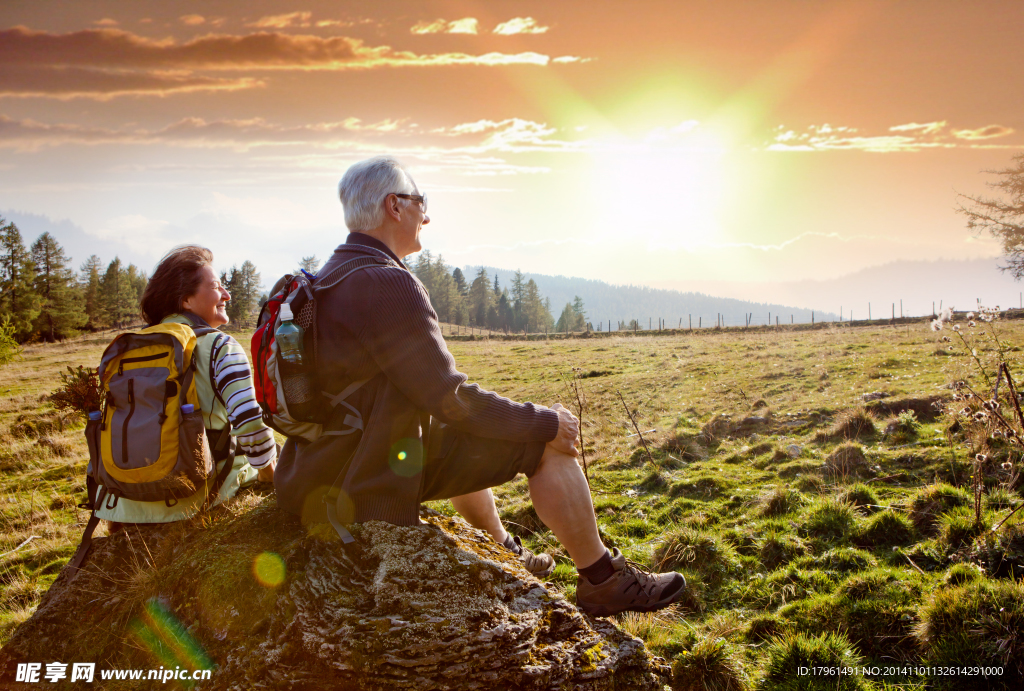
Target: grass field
[{"x": 785, "y": 480}]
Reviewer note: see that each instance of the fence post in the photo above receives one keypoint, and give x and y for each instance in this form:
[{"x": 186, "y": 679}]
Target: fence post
[
  {"x": 869, "y": 310},
  {"x": 690, "y": 317}
]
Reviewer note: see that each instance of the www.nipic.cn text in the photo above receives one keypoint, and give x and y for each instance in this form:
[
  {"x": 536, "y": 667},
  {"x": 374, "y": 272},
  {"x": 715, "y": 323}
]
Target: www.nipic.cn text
[{"x": 52, "y": 672}]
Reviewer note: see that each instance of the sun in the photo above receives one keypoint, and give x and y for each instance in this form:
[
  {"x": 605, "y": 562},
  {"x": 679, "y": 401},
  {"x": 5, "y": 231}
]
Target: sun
[{"x": 667, "y": 190}]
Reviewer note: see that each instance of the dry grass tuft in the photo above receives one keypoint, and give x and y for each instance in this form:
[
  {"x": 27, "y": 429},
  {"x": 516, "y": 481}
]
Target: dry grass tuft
[
  {"x": 846, "y": 460},
  {"x": 851, "y": 424}
]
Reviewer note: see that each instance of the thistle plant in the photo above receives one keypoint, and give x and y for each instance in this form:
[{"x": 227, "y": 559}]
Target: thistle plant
[{"x": 986, "y": 407}]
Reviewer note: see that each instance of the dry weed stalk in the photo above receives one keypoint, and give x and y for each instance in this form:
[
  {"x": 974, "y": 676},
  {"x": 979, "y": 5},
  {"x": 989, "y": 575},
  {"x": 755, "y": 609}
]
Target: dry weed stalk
[
  {"x": 577, "y": 394},
  {"x": 632, "y": 419}
]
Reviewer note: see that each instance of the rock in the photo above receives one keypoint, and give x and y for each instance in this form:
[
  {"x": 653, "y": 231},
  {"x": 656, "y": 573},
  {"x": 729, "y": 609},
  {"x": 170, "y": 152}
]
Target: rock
[
  {"x": 874, "y": 396},
  {"x": 272, "y": 605},
  {"x": 793, "y": 450}
]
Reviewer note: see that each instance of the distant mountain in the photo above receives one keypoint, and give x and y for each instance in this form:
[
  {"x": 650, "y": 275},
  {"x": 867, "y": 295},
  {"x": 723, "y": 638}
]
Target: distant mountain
[
  {"x": 605, "y": 302},
  {"x": 918, "y": 284}
]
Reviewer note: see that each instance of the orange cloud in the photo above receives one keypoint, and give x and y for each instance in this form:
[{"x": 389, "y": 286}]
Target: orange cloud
[
  {"x": 192, "y": 19},
  {"x": 106, "y": 22},
  {"x": 116, "y": 49},
  {"x": 283, "y": 21},
  {"x": 75, "y": 82},
  {"x": 520, "y": 25},
  {"x": 925, "y": 128},
  {"x": 238, "y": 134},
  {"x": 467, "y": 25},
  {"x": 989, "y": 132}
]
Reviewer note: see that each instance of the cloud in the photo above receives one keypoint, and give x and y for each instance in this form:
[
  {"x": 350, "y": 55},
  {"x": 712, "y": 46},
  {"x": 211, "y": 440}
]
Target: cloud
[
  {"x": 106, "y": 22},
  {"x": 988, "y": 132},
  {"x": 925, "y": 128},
  {"x": 282, "y": 21},
  {"x": 116, "y": 49},
  {"x": 520, "y": 25},
  {"x": 564, "y": 59},
  {"x": 909, "y": 137},
  {"x": 192, "y": 19},
  {"x": 30, "y": 135},
  {"x": 125, "y": 63},
  {"x": 76, "y": 82},
  {"x": 467, "y": 25}
]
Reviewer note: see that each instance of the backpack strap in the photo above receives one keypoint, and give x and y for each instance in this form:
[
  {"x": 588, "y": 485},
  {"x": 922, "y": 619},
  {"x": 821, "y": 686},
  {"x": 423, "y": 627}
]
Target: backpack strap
[
  {"x": 224, "y": 446},
  {"x": 92, "y": 501}
]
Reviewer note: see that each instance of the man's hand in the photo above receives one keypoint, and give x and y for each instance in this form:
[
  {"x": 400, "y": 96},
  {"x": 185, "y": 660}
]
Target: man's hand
[{"x": 568, "y": 431}]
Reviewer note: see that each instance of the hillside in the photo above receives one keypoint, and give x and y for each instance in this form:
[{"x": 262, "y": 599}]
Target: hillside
[
  {"x": 605, "y": 302},
  {"x": 823, "y": 509}
]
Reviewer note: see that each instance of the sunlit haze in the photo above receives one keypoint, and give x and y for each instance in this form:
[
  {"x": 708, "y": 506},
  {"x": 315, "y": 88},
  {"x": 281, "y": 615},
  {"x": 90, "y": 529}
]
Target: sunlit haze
[{"x": 720, "y": 147}]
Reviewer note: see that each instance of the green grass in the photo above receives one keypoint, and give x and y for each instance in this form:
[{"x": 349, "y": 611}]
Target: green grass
[{"x": 772, "y": 486}]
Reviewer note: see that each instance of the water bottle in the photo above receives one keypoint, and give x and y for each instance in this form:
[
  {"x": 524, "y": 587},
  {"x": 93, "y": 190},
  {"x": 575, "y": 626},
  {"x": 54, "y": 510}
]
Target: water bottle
[
  {"x": 188, "y": 409},
  {"x": 298, "y": 390}
]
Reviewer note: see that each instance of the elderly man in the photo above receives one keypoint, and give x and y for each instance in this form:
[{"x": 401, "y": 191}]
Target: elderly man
[{"x": 426, "y": 433}]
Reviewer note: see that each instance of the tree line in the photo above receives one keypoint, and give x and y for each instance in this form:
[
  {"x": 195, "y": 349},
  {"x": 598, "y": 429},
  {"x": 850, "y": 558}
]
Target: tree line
[
  {"x": 43, "y": 298},
  {"x": 484, "y": 303}
]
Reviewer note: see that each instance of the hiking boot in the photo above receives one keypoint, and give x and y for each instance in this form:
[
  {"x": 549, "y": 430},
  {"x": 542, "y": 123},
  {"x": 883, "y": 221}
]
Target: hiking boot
[
  {"x": 540, "y": 565},
  {"x": 632, "y": 588}
]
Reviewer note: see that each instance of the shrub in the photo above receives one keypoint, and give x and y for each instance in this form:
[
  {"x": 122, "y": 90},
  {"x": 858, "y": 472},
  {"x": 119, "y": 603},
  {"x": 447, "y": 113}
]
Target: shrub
[
  {"x": 712, "y": 665},
  {"x": 851, "y": 424},
  {"x": 931, "y": 502},
  {"x": 860, "y": 496},
  {"x": 787, "y": 585},
  {"x": 779, "y": 501},
  {"x": 958, "y": 527},
  {"x": 842, "y": 559},
  {"x": 829, "y": 519},
  {"x": 704, "y": 552},
  {"x": 887, "y": 528},
  {"x": 1000, "y": 553},
  {"x": 961, "y": 574},
  {"x": 788, "y": 653},
  {"x": 982, "y": 622},
  {"x": 999, "y": 498},
  {"x": 903, "y": 428},
  {"x": 847, "y": 459},
  {"x": 79, "y": 391},
  {"x": 9, "y": 348},
  {"x": 778, "y": 548},
  {"x": 766, "y": 626}
]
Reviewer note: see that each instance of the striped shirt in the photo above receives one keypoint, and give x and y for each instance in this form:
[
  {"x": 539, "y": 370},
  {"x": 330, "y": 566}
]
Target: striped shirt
[{"x": 232, "y": 377}]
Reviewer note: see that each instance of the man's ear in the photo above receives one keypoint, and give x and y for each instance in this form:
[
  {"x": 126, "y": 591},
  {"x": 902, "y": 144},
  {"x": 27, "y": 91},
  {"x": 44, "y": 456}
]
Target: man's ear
[{"x": 391, "y": 207}]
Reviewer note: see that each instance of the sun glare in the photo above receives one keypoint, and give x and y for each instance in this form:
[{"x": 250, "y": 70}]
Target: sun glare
[{"x": 665, "y": 191}]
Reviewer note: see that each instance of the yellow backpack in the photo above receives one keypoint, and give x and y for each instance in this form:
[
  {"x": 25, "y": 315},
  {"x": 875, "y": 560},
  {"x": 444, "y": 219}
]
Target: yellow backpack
[{"x": 149, "y": 443}]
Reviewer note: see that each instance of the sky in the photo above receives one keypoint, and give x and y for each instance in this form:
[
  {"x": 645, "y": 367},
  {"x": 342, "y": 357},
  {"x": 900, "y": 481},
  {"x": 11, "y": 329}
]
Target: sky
[{"x": 734, "y": 144}]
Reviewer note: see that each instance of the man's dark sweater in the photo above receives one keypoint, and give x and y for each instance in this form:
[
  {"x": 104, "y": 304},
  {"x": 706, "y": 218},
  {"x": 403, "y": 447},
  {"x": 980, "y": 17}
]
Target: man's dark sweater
[{"x": 378, "y": 324}]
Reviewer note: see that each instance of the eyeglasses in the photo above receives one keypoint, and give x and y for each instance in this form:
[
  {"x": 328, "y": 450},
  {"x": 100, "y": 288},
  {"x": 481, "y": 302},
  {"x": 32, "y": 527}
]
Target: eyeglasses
[{"x": 419, "y": 198}]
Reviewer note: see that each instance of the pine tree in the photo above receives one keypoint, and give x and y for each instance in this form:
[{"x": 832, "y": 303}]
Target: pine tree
[
  {"x": 460, "y": 282},
  {"x": 62, "y": 308},
  {"x": 480, "y": 299},
  {"x": 18, "y": 298},
  {"x": 311, "y": 264},
  {"x": 119, "y": 297},
  {"x": 96, "y": 317},
  {"x": 246, "y": 294}
]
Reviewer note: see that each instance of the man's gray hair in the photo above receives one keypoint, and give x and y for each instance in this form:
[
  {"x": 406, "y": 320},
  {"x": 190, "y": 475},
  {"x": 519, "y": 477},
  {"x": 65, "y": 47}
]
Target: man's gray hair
[{"x": 365, "y": 185}]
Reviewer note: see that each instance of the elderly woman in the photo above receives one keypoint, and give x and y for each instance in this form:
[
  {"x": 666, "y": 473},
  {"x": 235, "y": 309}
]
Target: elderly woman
[{"x": 185, "y": 289}]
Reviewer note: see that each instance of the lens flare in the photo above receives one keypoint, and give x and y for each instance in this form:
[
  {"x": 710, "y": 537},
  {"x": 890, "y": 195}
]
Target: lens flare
[
  {"x": 406, "y": 457},
  {"x": 269, "y": 569},
  {"x": 168, "y": 640}
]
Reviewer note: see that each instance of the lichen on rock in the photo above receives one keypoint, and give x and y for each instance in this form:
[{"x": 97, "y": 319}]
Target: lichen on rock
[{"x": 434, "y": 606}]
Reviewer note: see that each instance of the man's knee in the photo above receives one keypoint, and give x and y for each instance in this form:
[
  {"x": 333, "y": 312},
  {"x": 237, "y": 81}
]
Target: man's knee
[{"x": 553, "y": 458}]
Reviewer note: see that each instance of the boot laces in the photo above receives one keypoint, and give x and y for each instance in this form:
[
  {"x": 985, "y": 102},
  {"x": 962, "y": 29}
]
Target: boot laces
[{"x": 643, "y": 578}]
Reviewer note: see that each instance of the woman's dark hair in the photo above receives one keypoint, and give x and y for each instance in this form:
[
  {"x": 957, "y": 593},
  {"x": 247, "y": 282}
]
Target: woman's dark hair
[{"x": 175, "y": 279}]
